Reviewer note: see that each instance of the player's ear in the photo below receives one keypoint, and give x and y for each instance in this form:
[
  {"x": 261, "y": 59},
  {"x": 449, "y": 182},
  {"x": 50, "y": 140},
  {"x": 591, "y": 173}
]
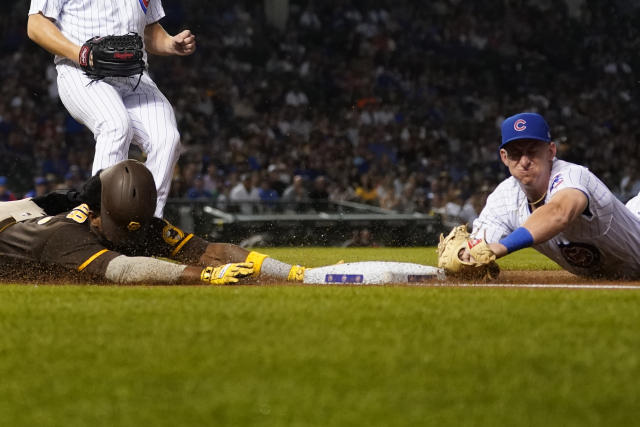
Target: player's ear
[
  {"x": 553, "y": 149},
  {"x": 94, "y": 218},
  {"x": 503, "y": 156}
]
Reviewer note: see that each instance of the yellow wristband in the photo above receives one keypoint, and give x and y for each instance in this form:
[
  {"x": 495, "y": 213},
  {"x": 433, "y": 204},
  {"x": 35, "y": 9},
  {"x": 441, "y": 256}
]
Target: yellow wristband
[
  {"x": 296, "y": 273},
  {"x": 257, "y": 259}
]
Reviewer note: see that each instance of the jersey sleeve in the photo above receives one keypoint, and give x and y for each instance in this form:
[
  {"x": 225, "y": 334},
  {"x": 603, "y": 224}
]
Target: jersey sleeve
[
  {"x": 580, "y": 178},
  {"x": 487, "y": 227},
  {"x": 600, "y": 199},
  {"x": 57, "y": 201},
  {"x": 496, "y": 219},
  {"x": 183, "y": 247},
  {"x": 155, "y": 12},
  {"x": 49, "y": 8},
  {"x": 76, "y": 248},
  {"x": 191, "y": 251},
  {"x": 575, "y": 178},
  {"x": 163, "y": 239}
]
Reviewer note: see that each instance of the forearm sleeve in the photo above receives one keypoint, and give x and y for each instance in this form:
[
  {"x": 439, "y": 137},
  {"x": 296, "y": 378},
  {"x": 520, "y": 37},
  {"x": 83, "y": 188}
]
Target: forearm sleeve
[
  {"x": 491, "y": 226},
  {"x": 123, "y": 269},
  {"x": 58, "y": 201}
]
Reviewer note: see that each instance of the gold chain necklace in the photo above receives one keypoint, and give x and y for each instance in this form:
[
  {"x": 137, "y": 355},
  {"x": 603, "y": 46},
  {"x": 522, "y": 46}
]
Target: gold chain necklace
[{"x": 533, "y": 204}]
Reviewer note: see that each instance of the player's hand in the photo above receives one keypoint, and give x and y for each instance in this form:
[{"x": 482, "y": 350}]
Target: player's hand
[
  {"x": 498, "y": 249},
  {"x": 226, "y": 274},
  {"x": 465, "y": 255},
  {"x": 184, "y": 43},
  {"x": 461, "y": 255}
]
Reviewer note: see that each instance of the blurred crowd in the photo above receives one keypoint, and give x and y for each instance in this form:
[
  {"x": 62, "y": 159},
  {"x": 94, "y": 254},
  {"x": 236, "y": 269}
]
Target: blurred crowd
[{"x": 396, "y": 104}]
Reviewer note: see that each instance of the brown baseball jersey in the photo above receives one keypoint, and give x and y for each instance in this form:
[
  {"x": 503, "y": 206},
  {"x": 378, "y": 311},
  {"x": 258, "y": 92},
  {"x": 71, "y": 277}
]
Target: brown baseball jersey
[{"x": 67, "y": 240}]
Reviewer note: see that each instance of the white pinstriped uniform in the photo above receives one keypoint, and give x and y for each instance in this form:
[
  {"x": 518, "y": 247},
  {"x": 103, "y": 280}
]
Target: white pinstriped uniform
[
  {"x": 634, "y": 205},
  {"x": 603, "y": 241},
  {"x": 115, "y": 113}
]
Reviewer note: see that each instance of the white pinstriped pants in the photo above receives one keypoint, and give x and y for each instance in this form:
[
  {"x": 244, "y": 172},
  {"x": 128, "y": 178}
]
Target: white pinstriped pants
[
  {"x": 118, "y": 116},
  {"x": 634, "y": 205}
]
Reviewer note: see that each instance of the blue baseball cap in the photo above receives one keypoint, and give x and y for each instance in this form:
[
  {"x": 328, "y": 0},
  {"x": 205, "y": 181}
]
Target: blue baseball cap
[
  {"x": 525, "y": 126},
  {"x": 3, "y": 180}
]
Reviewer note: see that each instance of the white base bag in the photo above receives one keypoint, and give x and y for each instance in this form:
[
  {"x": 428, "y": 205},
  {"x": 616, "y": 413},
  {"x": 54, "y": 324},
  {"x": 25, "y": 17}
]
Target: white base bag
[{"x": 373, "y": 273}]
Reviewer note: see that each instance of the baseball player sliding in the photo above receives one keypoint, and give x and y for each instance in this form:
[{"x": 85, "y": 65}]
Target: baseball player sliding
[
  {"x": 104, "y": 84},
  {"x": 108, "y": 231},
  {"x": 561, "y": 209},
  {"x": 111, "y": 233}
]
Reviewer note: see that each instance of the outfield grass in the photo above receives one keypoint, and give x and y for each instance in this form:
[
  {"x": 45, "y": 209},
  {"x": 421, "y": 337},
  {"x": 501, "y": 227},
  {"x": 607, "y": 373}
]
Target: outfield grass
[{"x": 317, "y": 355}]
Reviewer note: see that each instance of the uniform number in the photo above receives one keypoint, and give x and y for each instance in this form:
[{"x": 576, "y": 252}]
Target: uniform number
[{"x": 79, "y": 214}]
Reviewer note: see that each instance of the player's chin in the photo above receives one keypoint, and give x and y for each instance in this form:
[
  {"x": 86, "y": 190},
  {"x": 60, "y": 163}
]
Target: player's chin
[{"x": 525, "y": 178}]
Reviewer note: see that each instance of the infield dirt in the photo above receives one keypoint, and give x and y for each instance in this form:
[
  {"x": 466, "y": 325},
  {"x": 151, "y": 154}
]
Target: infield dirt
[{"x": 552, "y": 277}]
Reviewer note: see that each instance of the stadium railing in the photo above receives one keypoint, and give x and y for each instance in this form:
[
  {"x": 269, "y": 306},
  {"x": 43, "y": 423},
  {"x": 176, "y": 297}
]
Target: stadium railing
[{"x": 304, "y": 223}]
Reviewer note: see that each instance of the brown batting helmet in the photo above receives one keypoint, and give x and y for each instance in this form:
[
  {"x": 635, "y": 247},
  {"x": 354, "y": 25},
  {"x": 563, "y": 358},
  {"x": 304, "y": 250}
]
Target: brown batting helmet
[{"x": 128, "y": 199}]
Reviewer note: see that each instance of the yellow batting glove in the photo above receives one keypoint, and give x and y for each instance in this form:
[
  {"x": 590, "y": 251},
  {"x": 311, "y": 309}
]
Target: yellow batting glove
[{"x": 226, "y": 274}]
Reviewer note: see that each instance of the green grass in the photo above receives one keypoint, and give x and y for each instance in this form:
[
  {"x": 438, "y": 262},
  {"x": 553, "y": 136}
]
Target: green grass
[{"x": 317, "y": 355}]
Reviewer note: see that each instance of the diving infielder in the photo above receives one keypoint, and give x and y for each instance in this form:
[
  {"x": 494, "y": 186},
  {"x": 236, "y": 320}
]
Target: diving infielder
[
  {"x": 116, "y": 113},
  {"x": 559, "y": 208}
]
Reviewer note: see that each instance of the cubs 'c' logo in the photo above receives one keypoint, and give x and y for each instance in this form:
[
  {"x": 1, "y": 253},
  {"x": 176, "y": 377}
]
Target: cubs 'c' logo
[
  {"x": 519, "y": 125},
  {"x": 144, "y": 4},
  {"x": 580, "y": 255}
]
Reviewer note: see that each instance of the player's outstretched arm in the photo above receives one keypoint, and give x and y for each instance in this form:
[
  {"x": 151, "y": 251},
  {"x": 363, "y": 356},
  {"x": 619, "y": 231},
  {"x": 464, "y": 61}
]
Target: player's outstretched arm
[
  {"x": 158, "y": 42},
  {"x": 265, "y": 267},
  {"x": 552, "y": 218},
  {"x": 43, "y": 31},
  {"x": 145, "y": 270},
  {"x": 545, "y": 222},
  {"x": 197, "y": 251}
]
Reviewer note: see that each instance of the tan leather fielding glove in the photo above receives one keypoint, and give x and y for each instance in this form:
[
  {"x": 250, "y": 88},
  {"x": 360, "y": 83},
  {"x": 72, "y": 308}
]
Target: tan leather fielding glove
[{"x": 482, "y": 265}]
